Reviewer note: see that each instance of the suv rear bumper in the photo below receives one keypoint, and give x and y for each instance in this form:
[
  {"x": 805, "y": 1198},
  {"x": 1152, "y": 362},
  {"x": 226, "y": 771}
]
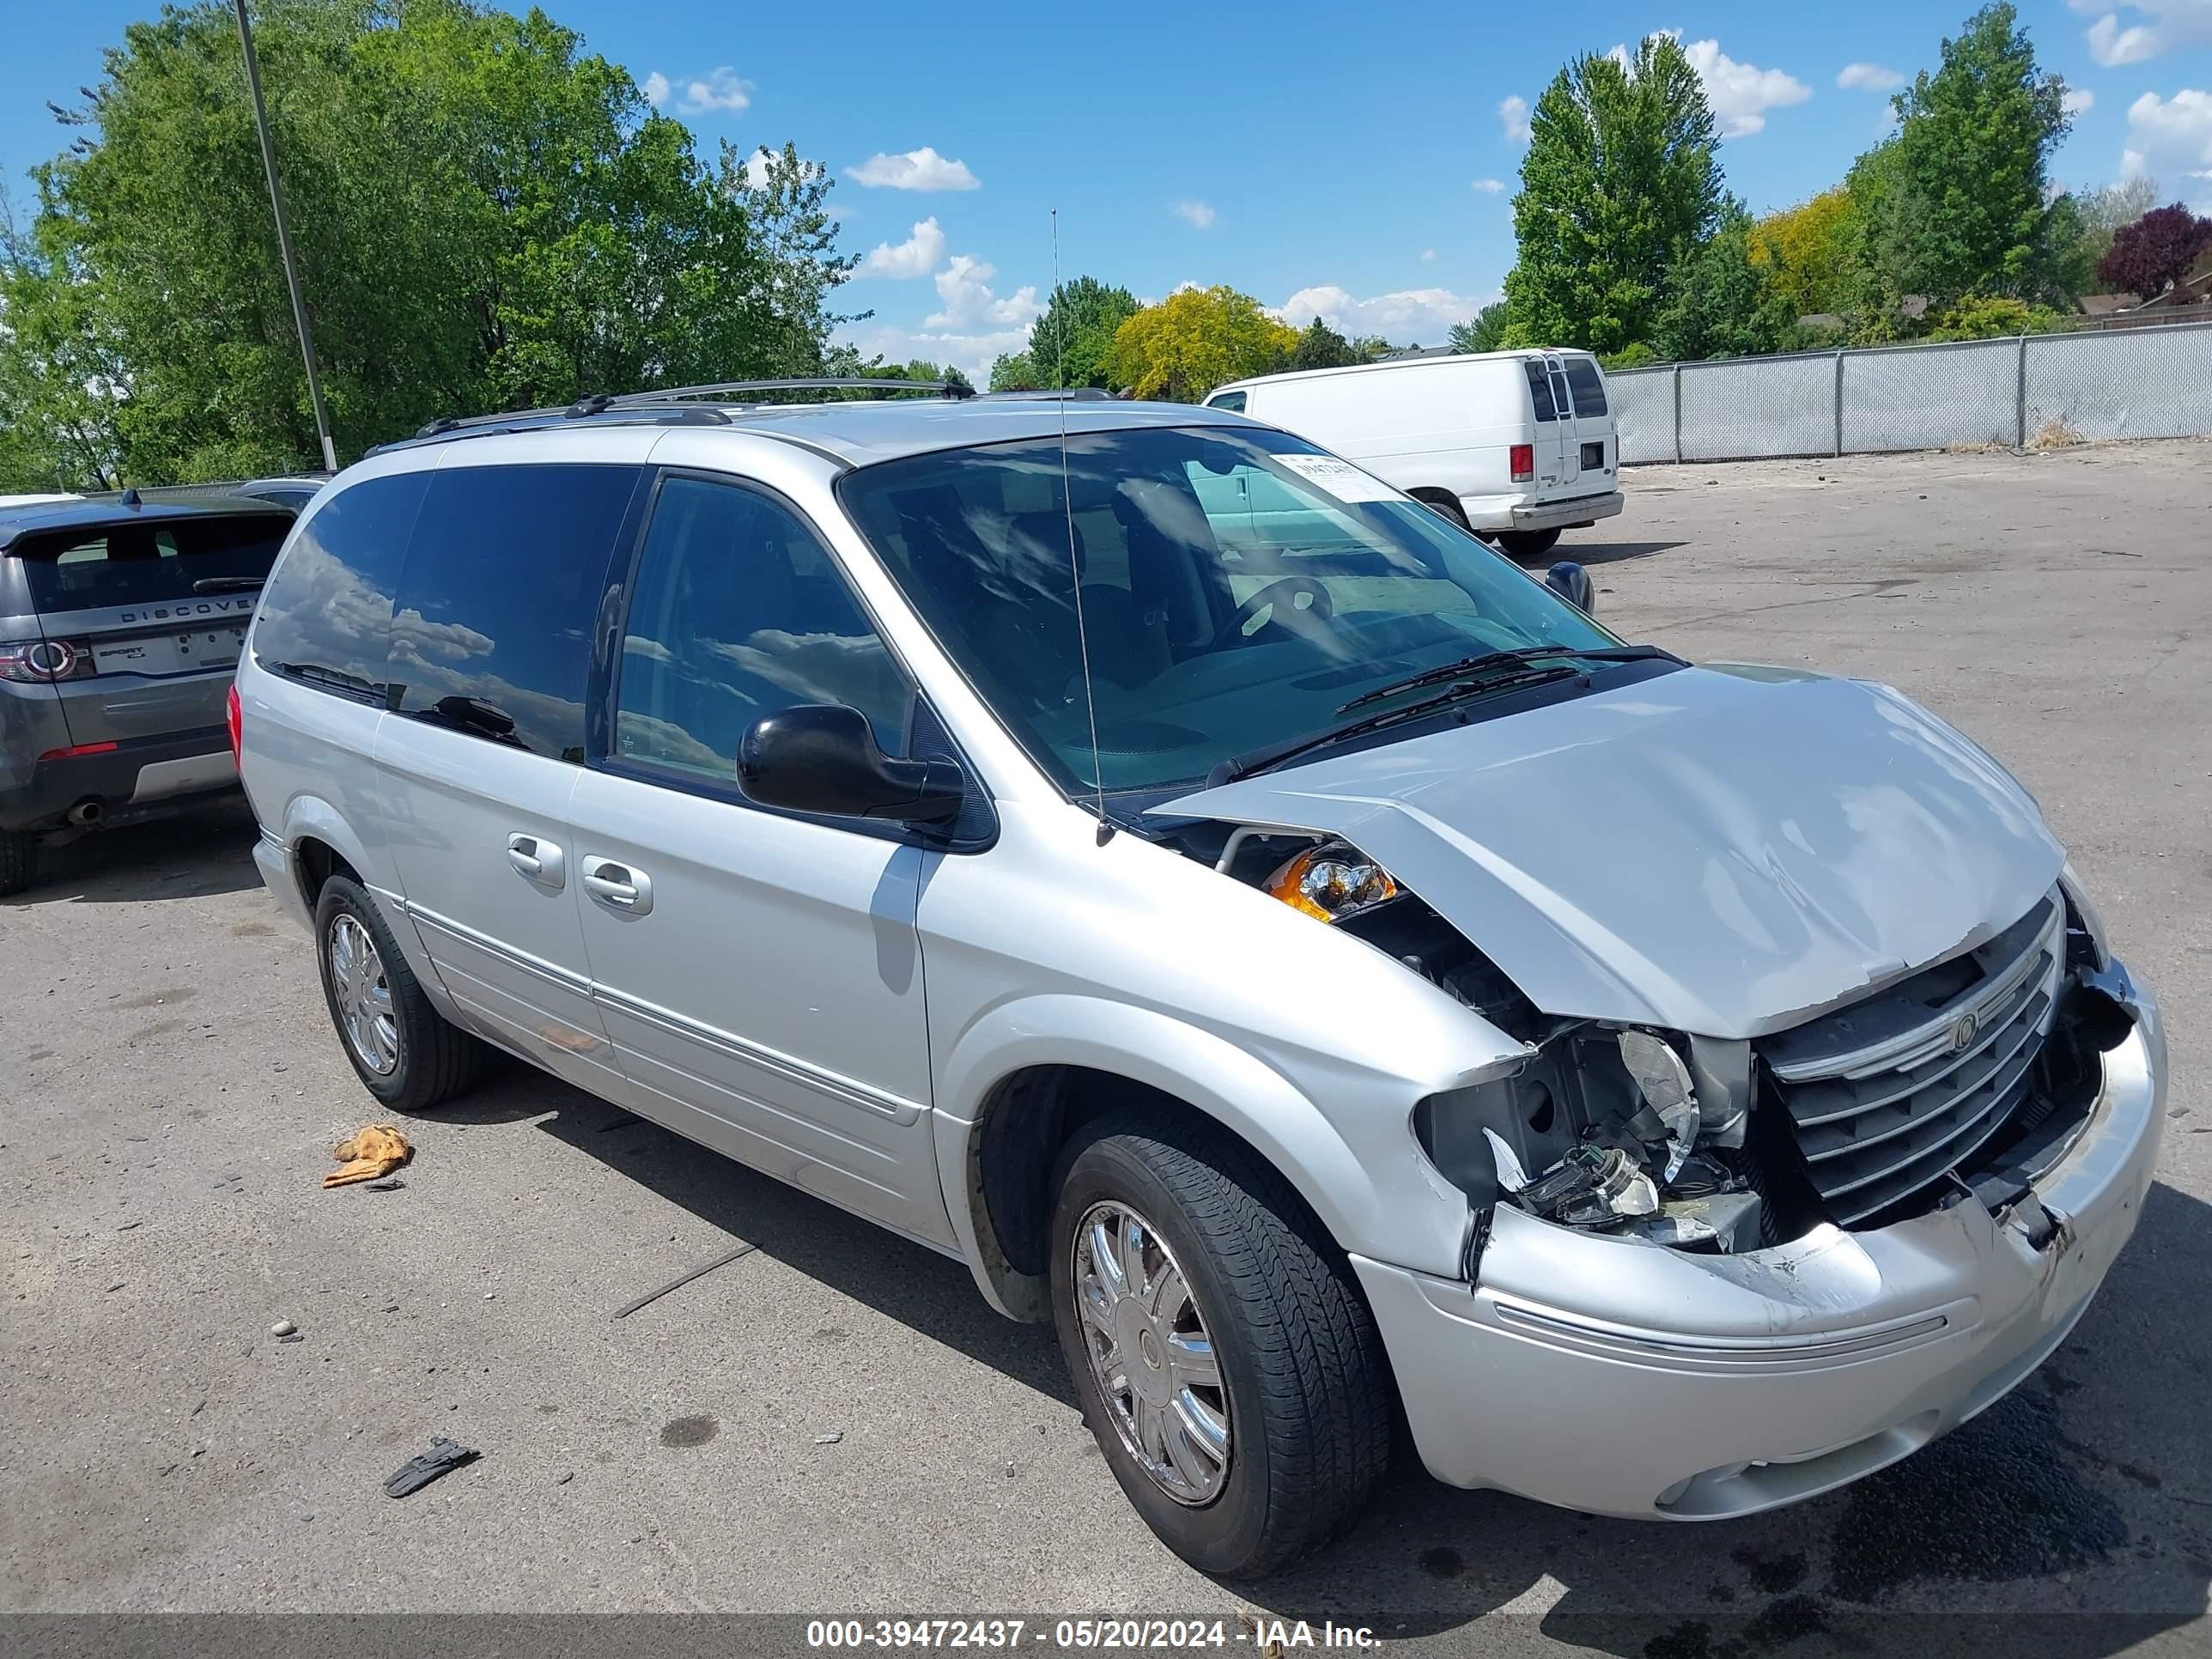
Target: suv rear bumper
[
  {"x": 1759, "y": 1379},
  {"x": 138, "y": 778}
]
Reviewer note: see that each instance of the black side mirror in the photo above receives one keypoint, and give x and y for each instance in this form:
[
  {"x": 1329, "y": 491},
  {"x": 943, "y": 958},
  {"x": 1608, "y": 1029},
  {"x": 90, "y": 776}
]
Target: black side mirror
[
  {"x": 823, "y": 757},
  {"x": 1572, "y": 583}
]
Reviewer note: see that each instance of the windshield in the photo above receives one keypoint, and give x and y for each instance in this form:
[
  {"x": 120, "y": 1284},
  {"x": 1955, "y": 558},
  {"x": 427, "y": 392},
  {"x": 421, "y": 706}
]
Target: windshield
[{"x": 1238, "y": 587}]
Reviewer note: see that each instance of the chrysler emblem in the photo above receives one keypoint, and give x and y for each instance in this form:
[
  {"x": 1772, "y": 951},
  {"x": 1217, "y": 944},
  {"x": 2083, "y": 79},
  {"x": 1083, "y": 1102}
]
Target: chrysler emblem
[{"x": 1962, "y": 1032}]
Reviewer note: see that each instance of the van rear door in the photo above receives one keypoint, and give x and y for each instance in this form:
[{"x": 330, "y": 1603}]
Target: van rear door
[
  {"x": 1554, "y": 430},
  {"x": 1596, "y": 453}
]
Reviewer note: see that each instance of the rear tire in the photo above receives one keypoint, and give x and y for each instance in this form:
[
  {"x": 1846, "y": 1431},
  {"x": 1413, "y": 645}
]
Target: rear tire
[
  {"x": 1446, "y": 507},
  {"x": 406, "y": 1053},
  {"x": 19, "y": 861},
  {"x": 1303, "y": 1404},
  {"x": 1527, "y": 544}
]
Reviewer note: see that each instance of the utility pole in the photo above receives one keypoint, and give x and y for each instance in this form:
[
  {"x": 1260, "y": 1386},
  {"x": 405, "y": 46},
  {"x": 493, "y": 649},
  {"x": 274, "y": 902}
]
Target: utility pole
[{"x": 284, "y": 240}]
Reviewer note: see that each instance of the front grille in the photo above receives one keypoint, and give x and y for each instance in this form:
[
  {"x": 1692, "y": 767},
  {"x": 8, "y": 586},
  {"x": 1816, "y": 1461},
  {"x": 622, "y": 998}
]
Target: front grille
[{"x": 1889, "y": 1095}]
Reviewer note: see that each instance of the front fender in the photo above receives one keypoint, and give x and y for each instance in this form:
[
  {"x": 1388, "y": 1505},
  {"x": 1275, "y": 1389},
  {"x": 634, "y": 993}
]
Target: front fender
[{"x": 1359, "y": 1167}]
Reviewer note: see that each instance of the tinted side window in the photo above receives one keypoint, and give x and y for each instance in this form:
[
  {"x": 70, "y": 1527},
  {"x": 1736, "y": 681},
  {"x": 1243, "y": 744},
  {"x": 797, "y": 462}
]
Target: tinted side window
[
  {"x": 169, "y": 561},
  {"x": 1589, "y": 386},
  {"x": 325, "y": 617},
  {"x": 491, "y": 626},
  {"x": 1232, "y": 401},
  {"x": 1539, "y": 389},
  {"x": 737, "y": 612}
]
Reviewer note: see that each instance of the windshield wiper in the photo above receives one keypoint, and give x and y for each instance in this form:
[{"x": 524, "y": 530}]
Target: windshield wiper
[
  {"x": 1474, "y": 668},
  {"x": 1274, "y": 754},
  {"x": 228, "y": 584}
]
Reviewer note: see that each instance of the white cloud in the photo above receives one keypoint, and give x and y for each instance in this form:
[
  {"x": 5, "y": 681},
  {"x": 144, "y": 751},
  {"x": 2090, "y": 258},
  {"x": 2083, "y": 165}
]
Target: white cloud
[
  {"x": 1490, "y": 187},
  {"x": 2173, "y": 25},
  {"x": 1513, "y": 113},
  {"x": 1410, "y": 316},
  {"x": 1196, "y": 213},
  {"x": 2078, "y": 100},
  {"x": 1741, "y": 94},
  {"x": 656, "y": 89},
  {"x": 1869, "y": 78},
  {"x": 964, "y": 290},
  {"x": 916, "y": 169},
  {"x": 1427, "y": 254},
  {"x": 917, "y": 256},
  {"x": 2170, "y": 136},
  {"x": 718, "y": 90}
]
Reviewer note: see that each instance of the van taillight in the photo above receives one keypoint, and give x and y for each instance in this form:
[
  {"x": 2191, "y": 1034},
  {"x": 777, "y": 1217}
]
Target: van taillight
[
  {"x": 234, "y": 718},
  {"x": 1523, "y": 461}
]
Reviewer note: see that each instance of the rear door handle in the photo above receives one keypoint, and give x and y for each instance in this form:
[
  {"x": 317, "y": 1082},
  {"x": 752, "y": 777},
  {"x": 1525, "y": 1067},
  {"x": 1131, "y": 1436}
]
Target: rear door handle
[
  {"x": 538, "y": 859},
  {"x": 618, "y": 886}
]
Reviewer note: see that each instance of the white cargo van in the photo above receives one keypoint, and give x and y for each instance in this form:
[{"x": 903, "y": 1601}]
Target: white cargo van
[{"x": 1516, "y": 444}]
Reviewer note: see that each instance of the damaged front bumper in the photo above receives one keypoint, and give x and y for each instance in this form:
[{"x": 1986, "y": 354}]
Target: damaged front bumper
[{"x": 1621, "y": 1378}]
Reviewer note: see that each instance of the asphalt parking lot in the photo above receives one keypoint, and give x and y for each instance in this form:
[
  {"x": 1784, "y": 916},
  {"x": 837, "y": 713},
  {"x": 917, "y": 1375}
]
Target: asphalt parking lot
[{"x": 173, "y": 1090}]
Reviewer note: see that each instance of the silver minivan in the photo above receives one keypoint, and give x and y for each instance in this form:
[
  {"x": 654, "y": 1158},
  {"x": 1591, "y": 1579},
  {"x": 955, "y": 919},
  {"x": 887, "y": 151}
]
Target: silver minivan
[{"x": 1308, "y": 960}]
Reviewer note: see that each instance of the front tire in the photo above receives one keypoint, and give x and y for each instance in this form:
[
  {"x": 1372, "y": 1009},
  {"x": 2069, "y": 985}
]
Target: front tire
[
  {"x": 403, "y": 1050},
  {"x": 1527, "y": 544},
  {"x": 19, "y": 861},
  {"x": 1225, "y": 1360}
]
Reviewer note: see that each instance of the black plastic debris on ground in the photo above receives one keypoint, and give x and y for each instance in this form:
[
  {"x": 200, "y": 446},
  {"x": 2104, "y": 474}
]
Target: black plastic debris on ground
[{"x": 444, "y": 1456}]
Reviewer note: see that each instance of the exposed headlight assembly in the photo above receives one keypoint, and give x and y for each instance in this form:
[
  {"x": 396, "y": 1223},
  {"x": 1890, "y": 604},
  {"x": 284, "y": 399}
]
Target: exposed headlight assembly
[{"x": 1330, "y": 882}]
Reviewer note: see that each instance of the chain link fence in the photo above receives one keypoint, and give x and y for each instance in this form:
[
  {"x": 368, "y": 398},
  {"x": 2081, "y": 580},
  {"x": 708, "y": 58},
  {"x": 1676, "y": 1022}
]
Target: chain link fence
[{"x": 2136, "y": 383}]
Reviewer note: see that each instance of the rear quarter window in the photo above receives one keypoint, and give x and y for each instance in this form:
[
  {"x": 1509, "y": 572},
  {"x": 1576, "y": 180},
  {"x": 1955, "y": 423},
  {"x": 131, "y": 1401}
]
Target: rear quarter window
[
  {"x": 1540, "y": 390},
  {"x": 491, "y": 624},
  {"x": 1587, "y": 385},
  {"x": 325, "y": 617},
  {"x": 164, "y": 562}
]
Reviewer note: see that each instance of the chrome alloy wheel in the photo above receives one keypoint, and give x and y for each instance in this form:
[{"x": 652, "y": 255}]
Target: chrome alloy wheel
[
  {"x": 1150, "y": 1355},
  {"x": 362, "y": 995}
]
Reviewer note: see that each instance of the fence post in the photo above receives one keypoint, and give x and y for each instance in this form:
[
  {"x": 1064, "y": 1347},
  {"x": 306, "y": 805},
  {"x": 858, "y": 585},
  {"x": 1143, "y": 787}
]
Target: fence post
[
  {"x": 2021, "y": 401},
  {"x": 1678, "y": 411},
  {"x": 1839, "y": 404}
]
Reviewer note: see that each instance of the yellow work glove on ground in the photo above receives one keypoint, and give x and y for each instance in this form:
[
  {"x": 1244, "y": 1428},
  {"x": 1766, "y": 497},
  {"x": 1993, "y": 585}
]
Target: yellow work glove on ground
[{"x": 376, "y": 1150}]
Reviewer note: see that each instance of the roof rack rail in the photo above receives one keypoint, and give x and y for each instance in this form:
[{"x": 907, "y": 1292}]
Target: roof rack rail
[
  {"x": 1073, "y": 394},
  {"x": 599, "y": 403},
  {"x": 732, "y": 391}
]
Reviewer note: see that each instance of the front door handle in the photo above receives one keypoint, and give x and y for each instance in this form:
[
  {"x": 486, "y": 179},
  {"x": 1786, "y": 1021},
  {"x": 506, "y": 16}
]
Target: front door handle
[
  {"x": 539, "y": 859},
  {"x": 618, "y": 886}
]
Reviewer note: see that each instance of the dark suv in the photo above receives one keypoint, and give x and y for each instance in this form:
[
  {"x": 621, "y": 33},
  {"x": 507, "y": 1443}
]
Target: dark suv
[{"x": 120, "y": 626}]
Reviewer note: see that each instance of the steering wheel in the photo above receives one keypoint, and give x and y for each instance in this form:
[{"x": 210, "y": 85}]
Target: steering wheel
[{"x": 1278, "y": 593}]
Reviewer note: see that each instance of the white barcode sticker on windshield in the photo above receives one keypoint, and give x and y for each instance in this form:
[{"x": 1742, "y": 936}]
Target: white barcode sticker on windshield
[{"x": 1340, "y": 478}]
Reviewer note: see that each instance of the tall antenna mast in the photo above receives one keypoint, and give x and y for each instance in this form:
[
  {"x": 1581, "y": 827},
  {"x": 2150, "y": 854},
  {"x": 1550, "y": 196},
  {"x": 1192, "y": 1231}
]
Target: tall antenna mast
[{"x": 1067, "y": 511}]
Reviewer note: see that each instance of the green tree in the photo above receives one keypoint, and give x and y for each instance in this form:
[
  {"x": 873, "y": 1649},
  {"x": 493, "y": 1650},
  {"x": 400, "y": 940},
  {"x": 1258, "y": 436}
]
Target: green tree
[
  {"x": 1620, "y": 179},
  {"x": 1320, "y": 346},
  {"x": 58, "y": 371},
  {"x": 1017, "y": 371},
  {"x": 1717, "y": 303},
  {"x": 1197, "y": 339},
  {"x": 1487, "y": 331},
  {"x": 1963, "y": 208},
  {"x": 485, "y": 215},
  {"x": 1072, "y": 344}
]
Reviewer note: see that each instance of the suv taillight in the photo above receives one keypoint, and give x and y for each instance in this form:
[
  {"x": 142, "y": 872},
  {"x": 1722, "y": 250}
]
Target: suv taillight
[
  {"x": 233, "y": 718},
  {"x": 42, "y": 662},
  {"x": 1522, "y": 460}
]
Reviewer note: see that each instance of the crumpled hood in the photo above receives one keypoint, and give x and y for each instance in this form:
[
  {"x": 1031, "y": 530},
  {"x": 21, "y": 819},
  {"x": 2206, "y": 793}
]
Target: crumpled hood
[{"x": 1724, "y": 850}]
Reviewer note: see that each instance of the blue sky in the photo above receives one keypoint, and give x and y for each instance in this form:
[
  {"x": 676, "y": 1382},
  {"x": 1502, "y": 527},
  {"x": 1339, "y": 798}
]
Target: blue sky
[{"x": 1357, "y": 166}]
